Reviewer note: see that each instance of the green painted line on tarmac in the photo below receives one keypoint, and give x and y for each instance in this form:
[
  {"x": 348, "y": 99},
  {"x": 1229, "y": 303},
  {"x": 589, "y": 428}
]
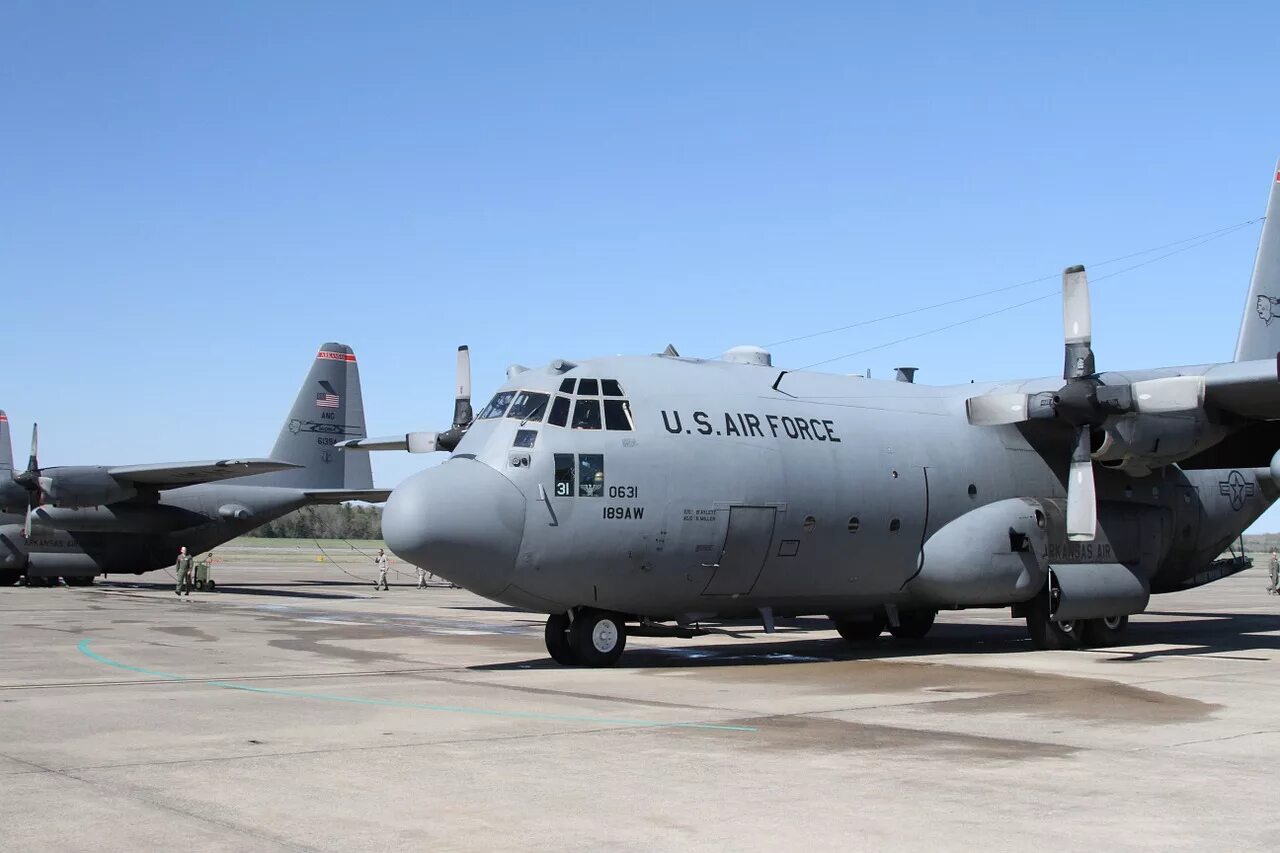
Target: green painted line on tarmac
[{"x": 416, "y": 706}]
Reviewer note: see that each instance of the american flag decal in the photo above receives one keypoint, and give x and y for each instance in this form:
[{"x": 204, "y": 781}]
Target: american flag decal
[{"x": 327, "y": 401}]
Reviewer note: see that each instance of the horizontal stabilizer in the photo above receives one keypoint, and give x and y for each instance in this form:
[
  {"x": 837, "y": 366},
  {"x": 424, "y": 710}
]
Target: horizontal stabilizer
[
  {"x": 337, "y": 496},
  {"x": 177, "y": 474}
]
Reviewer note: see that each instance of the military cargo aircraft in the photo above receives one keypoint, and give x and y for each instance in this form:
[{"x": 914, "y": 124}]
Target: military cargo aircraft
[
  {"x": 76, "y": 522},
  {"x": 645, "y": 495}
]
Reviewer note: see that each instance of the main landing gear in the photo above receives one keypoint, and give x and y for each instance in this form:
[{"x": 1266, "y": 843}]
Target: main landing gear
[
  {"x": 912, "y": 625},
  {"x": 1048, "y": 633},
  {"x": 591, "y": 638}
]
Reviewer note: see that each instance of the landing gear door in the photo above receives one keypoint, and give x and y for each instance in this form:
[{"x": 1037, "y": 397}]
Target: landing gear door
[{"x": 746, "y": 547}]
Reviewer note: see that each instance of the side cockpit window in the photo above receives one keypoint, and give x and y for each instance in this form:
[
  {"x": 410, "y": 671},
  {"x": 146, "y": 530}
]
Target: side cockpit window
[
  {"x": 617, "y": 414},
  {"x": 598, "y": 406},
  {"x": 497, "y": 406},
  {"x": 528, "y": 406}
]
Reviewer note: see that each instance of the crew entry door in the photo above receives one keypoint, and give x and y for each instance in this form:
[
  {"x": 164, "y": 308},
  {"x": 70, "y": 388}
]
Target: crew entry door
[{"x": 746, "y": 547}]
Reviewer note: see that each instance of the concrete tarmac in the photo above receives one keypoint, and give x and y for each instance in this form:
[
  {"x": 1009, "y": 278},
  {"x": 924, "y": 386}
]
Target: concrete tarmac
[{"x": 293, "y": 711}]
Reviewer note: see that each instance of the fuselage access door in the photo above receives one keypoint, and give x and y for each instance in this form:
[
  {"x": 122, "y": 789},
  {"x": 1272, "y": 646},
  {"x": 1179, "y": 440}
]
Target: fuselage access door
[{"x": 748, "y": 535}]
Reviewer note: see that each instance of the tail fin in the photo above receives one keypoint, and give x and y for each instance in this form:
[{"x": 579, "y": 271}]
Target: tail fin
[
  {"x": 1260, "y": 328},
  {"x": 6, "y": 446},
  {"x": 328, "y": 409}
]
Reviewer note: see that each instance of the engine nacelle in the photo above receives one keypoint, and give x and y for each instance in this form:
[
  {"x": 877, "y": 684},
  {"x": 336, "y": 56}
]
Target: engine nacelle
[
  {"x": 994, "y": 554},
  {"x": 83, "y": 485},
  {"x": 1139, "y": 443},
  {"x": 117, "y": 518}
]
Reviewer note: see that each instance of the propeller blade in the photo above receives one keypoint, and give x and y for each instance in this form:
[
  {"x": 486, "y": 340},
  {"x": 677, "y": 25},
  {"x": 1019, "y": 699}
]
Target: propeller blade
[
  {"x": 462, "y": 414},
  {"x": 1082, "y": 502},
  {"x": 1077, "y": 324},
  {"x": 996, "y": 409},
  {"x": 423, "y": 442},
  {"x": 33, "y": 463},
  {"x": 1168, "y": 394}
]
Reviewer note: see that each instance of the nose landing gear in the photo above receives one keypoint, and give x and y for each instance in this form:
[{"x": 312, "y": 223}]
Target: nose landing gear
[{"x": 592, "y": 637}]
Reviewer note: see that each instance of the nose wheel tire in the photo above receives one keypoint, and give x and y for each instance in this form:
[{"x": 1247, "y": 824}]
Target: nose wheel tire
[
  {"x": 860, "y": 630},
  {"x": 557, "y": 638},
  {"x": 913, "y": 624},
  {"x": 1103, "y": 632},
  {"x": 597, "y": 638}
]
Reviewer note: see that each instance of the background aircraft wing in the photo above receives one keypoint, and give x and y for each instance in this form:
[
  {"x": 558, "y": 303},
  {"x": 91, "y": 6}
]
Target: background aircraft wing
[
  {"x": 1250, "y": 389},
  {"x": 172, "y": 475},
  {"x": 337, "y": 496}
]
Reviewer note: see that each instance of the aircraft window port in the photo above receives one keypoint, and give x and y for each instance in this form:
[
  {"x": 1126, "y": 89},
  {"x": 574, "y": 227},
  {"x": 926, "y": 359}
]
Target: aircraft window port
[
  {"x": 854, "y": 524},
  {"x": 529, "y": 406},
  {"x": 591, "y": 475},
  {"x": 588, "y": 387},
  {"x": 617, "y": 414},
  {"x": 893, "y": 475},
  {"x": 810, "y": 523},
  {"x": 559, "y": 412},
  {"x": 610, "y": 387},
  {"x": 586, "y": 414},
  {"x": 566, "y": 386},
  {"x": 564, "y": 475},
  {"x": 525, "y": 438},
  {"x": 973, "y": 490},
  {"x": 497, "y": 406},
  {"x": 895, "y": 525}
]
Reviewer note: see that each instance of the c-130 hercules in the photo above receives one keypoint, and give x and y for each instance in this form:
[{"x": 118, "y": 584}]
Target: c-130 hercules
[
  {"x": 79, "y": 521},
  {"x": 619, "y": 494}
]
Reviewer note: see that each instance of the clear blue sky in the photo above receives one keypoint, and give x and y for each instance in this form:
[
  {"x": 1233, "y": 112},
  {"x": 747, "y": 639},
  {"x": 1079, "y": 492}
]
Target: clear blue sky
[{"x": 193, "y": 196}]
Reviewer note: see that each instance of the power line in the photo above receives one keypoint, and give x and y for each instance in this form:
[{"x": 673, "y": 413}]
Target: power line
[
  {"x": 1204, "y": 237},
  {"x": 1208, "y": 238}
]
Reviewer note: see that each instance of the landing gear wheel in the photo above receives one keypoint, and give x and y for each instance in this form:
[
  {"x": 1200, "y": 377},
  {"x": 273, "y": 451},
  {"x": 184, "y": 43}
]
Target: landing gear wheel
[
  {"x": 1103, "y": 632},
  {"x": 597, "y": 637},
  {"x": 9, "y": 577},
  {"x": 210, "y": 586},
  {"x": 74, "y": 581},
  {"x": 557, "y": 638},
  {"x": 1047, "y": 633},
  {"x": 913, "y": 624},
  {"x": 861, "y": 630}
]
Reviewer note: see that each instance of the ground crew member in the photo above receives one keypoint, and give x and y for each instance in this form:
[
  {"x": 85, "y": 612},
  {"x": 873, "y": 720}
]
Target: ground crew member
[
  {"x": 1274, "y": 587},
  {"x": 422, "y": 578},
  {"x": 381, "y": 562},
  {"x": 182, "y": 569}
]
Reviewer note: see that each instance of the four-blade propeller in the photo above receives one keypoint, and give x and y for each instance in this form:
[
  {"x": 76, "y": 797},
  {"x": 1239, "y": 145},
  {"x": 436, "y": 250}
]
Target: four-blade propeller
[
  {"x": 429, "y": 442},
  {"x": 1085, "y": 402}
]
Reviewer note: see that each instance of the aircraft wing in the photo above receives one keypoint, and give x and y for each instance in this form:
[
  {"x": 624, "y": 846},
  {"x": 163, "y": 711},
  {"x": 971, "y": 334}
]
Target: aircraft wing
[
  {"x": 172, "y": 475},
  {"x": 1250, "y": 389},
  {"x": 337, "y": 496}
]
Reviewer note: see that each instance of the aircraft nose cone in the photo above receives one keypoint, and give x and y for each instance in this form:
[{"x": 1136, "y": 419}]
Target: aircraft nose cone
[{"x": 461, "y": 520}]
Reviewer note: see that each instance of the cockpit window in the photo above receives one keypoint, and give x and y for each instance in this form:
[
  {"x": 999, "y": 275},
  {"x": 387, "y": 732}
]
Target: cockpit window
[
  {"x": 611, "y": 387},
  {"x": 617, "y": 414},
  {"x": 559, "y": 412},
  {"x": 497, "y": 406},
  {"x": 589, "y": 387},
  {"x": 586, "y": 414},
  {"x": 529, "y": 406},
  {"x": 566, "y": 386}
]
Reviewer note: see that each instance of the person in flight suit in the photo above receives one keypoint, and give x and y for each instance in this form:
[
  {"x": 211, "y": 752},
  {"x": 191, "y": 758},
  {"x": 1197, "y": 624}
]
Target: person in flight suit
[
  {"x": 422, "y": 578},
  {"x": 1274, "y": 570},
  {"x": 182, "y": 568},
  {"x": 381, "y": 562}
]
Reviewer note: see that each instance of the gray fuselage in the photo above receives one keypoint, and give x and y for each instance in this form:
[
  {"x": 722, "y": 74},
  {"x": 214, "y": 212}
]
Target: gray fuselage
[{"x": 742, "y": 486}]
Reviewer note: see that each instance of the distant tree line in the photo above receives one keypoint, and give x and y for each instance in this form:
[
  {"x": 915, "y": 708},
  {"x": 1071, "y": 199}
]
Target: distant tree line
[{"x": 344, "y": 521}]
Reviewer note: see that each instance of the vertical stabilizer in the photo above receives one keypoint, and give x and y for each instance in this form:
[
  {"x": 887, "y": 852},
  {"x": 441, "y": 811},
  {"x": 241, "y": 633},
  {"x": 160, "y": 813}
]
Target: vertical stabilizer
[
  {"x": 6, "y": 446},
  {"x": 1260, "y": 328},
  {"x": 328, "y": 409}
]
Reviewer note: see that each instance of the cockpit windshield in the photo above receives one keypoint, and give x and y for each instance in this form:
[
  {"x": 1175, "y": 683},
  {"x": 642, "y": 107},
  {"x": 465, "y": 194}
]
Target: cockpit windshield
[
  {"x": 529, "y": 406},
  {"x": 497, "y": 406}
]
